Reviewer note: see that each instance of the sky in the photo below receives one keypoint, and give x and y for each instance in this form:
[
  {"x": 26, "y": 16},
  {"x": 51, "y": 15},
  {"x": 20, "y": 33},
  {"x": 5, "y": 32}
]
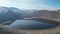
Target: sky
[{"x": 32, "y": 4}]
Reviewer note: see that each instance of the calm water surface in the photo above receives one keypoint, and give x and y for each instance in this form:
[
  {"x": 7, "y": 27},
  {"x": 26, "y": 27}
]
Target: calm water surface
[{"x": 30, "y": 24}]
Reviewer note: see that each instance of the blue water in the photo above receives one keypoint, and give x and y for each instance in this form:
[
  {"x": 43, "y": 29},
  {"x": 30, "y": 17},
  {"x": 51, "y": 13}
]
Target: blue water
[{"x": 30, "y": 24}]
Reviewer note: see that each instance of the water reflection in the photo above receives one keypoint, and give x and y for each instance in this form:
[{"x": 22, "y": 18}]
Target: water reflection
[{"x": 30, "y": 24}]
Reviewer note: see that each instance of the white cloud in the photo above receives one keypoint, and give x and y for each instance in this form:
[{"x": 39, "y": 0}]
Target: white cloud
[
  {"x": 25, "y": 4},
  {"x": 5, "y": 3}
]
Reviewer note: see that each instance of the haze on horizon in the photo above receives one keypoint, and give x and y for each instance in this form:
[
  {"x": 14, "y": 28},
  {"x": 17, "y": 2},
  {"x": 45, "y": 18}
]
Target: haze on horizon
[{"x": 32, "y": 4}]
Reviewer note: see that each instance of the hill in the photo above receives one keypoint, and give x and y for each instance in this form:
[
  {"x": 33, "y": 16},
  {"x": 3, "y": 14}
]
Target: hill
[{"x": 10, "y": 14}]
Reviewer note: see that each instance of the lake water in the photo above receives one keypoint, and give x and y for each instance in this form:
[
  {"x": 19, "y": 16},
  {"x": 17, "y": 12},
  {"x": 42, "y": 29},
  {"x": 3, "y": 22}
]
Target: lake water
[{"x": 30, "y": 24}]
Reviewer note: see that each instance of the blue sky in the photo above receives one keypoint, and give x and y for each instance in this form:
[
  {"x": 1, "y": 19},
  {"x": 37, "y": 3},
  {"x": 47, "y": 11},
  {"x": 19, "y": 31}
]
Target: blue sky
[{"x": 32, "y": 4}]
